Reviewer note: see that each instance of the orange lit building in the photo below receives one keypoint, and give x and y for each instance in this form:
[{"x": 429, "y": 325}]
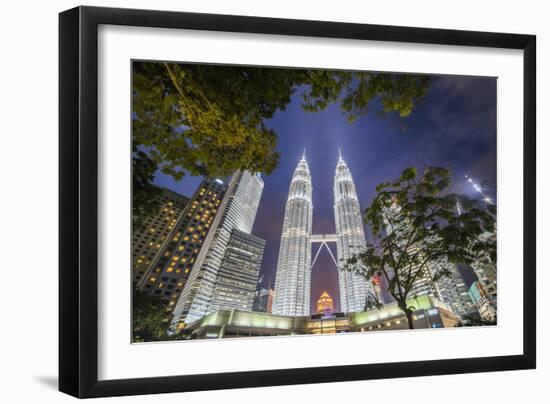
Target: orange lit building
[
  {"x": 325, "y": 304},
  {"x": 168, "y": 270},
  {"x": 377, "y": 286}
]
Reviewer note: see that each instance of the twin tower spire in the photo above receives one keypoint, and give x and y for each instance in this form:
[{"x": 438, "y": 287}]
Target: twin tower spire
[{"x": 293, "y": 278}]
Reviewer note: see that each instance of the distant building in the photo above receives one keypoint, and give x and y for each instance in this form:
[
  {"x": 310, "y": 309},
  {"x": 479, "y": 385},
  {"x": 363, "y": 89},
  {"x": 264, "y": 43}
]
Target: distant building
[
  {"x": 168, "y": 270},
  {"x": 428, "y": 313},
  {"x": 485, "y": 303},
  {"x": 325, "y": 304},
  {"x": 486, "y": 272},
  {"x": 377, "y": 288},
  {"x": 263, "y": 300},
  {"x": 452, "y": 289},
  {"x": 148, "y": 240},
  {"x": 237, "y": 212}
]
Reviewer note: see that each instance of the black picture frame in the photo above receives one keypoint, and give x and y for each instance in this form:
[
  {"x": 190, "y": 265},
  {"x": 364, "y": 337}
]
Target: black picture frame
[{"x": 78, "y": 201}]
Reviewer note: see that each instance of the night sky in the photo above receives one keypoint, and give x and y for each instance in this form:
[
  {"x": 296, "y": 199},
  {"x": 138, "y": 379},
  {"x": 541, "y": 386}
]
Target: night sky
[{"x": 454, "y": 126}]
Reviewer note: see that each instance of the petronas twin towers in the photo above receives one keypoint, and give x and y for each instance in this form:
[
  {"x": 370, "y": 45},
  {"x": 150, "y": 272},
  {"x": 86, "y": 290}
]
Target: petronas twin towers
[{"x": 293, "y": 279}]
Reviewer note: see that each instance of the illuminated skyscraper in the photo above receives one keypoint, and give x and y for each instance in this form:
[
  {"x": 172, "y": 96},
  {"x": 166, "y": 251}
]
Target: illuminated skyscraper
[
  {"x": 350, "y": 240},
  {"x": 183, "y": 234},
  {"x": 293, "y": 279},
  {"x": 149, "y": 238},
  {"x": 236, "y": 212}
]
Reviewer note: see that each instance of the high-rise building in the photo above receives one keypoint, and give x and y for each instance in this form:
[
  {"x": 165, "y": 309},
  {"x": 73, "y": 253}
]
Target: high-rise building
[
  {"x": 452, "y": 289},
  {"x": 183, "y": 237},
  {"x": 486, "y": 271},
  {"x": 325, "y": 304},
  {"x": 485, "y": 303},
  {"x": 149, "y": 238},
  {"x": 236, "y": 212},
  {"x": 239, "y": 271},
  {"x": 293, "y": 278},
  {"x": 263, "y": 300},
  {"x": 350, "y": 240}
]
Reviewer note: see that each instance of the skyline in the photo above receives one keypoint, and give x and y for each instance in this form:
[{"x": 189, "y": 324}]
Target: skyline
[{"x": 454, "y": 126}]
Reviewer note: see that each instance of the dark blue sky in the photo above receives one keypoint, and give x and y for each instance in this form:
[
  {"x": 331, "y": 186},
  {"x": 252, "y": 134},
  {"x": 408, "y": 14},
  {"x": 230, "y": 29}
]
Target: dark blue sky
[{"x": 454, "y": 126}]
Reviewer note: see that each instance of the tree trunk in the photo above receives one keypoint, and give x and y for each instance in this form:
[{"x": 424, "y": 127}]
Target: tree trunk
[{"x": 409, "y": 315}]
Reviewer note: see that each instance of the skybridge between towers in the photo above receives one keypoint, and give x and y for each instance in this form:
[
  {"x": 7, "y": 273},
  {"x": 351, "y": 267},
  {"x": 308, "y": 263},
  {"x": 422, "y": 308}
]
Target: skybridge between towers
[{"x": 323, "y": 239}]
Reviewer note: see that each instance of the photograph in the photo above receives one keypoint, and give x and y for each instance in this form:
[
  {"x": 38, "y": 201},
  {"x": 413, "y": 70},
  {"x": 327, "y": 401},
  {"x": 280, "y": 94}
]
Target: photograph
[{"x": 273, "y": 201}]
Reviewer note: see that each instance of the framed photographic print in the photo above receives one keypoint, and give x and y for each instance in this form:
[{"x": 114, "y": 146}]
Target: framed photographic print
[{"x": 251, "y": 201}]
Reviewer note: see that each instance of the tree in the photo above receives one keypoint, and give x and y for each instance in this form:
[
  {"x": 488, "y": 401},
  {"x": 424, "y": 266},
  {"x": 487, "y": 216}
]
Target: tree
[
  {"x": 145, "y": 195},
  {"x": 413, "y": 222},
  {"x": 150, "y": 318},
  {"x": 211, "y": 120}
]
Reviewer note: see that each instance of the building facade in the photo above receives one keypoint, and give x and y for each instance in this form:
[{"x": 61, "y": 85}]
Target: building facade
[
  {"x": 428, "y": 313},
  {"x": 486, "y": 271},
  {"x": 148, "y": 240},
  {"x": 293, "y": 278},
  {"x": 183, "y": 238},
  {"x": 485, "y": 302},
  {"x": 239, "y": 272},
  {"x": 452, "y": 289},
  {"x": 350, "y": 240},
  {"x": 263, "y": 300},
  {"x": 236, "y": 212}
]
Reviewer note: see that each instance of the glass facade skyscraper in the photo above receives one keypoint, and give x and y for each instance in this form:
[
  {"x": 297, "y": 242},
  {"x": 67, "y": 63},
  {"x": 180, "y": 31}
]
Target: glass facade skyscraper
[
  {"x": 350, "y": 240},
  {"x": 236, "y": 212},
  {"x": 239, "y": 271},
  {"x": 293, "y": 279}
]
